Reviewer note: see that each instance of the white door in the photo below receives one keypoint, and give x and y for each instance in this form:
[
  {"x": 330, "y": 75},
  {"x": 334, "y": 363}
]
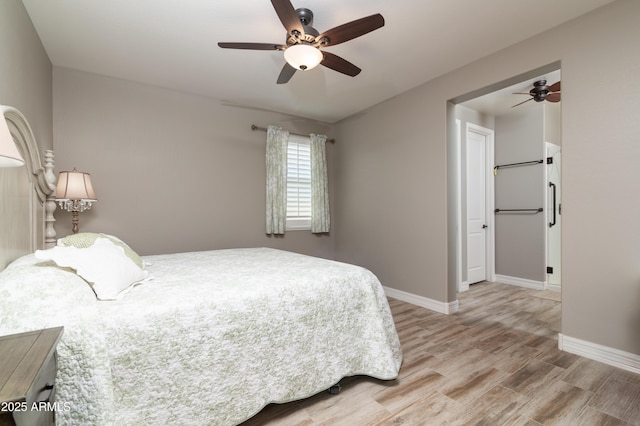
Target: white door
[
  {"x": 554, "y": 222},
  {"x": 476, "y": 205}
]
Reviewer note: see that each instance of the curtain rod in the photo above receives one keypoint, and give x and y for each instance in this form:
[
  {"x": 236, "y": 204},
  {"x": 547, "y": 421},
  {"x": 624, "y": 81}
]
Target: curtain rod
[{"x": 264, "y": 129}]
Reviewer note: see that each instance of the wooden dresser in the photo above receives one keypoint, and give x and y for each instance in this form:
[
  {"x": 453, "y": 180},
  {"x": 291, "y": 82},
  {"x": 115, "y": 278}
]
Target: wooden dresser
[{"x": 27, "y": 377}]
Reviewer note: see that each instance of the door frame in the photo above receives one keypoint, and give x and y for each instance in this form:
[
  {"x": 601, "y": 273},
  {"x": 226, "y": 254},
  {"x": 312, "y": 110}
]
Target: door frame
[
  {"x": 547, "y": 208},
  {"x": 490, "y": 267}
]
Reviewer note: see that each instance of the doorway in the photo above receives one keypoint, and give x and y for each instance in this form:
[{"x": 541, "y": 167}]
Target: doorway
[{"x": 548, "y": 245}]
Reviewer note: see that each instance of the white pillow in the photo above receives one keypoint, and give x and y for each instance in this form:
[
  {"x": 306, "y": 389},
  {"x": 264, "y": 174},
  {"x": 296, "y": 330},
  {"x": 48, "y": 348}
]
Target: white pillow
[
  {"x": 86, "y": 239},
  {"x": 104, "y": 265}
]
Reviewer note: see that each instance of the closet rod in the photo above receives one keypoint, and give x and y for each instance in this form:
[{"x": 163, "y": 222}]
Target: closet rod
[
  {"x": 538, "y": 210},
  {"x": 523, "y": 163},
  {"x": 264, "y": 129}
]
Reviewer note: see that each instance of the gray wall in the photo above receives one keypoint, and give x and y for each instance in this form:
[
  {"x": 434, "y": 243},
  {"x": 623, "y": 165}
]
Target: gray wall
[
  {"x": 520, "y": 237},
  {"x": 173, "y": 172},
  {"x": 553, "y": 122},
  {"x": 25, "y": 71},
  {"x": 392, "y": 167},
  {"x": 392, "y": 192}
]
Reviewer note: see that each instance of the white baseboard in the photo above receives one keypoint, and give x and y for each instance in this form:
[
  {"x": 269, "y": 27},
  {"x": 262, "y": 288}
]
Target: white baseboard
[
  {"x": 617, "y": 358},
  {"x": 522, "y": 282},
  {"x": 464, "y": 286},
  {"x": 554, "y": 287},
  {"x": 424, "y": 302}
]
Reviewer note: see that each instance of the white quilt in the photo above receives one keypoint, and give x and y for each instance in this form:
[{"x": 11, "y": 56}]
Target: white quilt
[{"x": 211, "y": 339}]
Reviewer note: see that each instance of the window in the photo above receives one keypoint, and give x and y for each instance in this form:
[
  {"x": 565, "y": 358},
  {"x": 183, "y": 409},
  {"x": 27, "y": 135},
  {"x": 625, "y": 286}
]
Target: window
[{"x": 299, "y": 183}]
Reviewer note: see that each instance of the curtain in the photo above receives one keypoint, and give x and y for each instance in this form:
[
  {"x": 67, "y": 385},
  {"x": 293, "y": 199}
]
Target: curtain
[
  {"x": 320, "y": 220},
  {"x": 276, "y": 162}
]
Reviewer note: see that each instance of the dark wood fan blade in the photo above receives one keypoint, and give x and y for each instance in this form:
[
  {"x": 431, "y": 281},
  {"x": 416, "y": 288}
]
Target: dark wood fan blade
[
  {"x": 555, "y": 87},
  {"x": 288, "y": 16},
  {"x": 336, "y": 63},
  {"x": 553, "y": 97},
  {"x": 253, "y": 46},
  {"x": 350, "y": 30},
  {"x": 285, "y": 75},
  {"x": 530, "y": 99}
]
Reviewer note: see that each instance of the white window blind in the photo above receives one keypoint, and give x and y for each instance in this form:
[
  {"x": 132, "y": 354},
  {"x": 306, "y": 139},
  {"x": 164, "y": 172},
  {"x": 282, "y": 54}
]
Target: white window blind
[{"x": 298, "y": 183}]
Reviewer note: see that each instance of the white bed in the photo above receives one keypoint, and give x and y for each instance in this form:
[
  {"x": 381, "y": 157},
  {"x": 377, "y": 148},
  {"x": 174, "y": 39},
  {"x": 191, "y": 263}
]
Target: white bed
[{"x": 207, "y": 338}]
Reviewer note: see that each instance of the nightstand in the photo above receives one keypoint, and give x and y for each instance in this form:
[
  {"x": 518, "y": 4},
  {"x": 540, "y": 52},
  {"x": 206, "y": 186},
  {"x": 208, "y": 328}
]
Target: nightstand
[{"x": 27, "y": 377}]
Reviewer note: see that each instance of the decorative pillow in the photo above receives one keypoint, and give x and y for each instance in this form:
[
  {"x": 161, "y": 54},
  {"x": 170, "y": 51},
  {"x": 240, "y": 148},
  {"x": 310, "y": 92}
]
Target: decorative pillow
[
  {"x": 86, "y": 239},
  {"x": 103, "y": 264}
]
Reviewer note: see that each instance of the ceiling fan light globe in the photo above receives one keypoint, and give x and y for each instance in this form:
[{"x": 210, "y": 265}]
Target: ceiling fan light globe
[{"x": 303, "y": 56}]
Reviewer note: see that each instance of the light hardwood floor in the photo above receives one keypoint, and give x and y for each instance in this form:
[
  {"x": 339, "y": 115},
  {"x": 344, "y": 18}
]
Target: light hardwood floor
[{"x": 495, "y": 362}]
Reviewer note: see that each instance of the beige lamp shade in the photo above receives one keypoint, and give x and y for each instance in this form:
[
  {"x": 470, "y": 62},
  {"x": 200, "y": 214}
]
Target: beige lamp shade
[
  {"x": 75, "y": 185},
  {"x": 74, "y": 193},
  {"x": 9, "y": 155}
]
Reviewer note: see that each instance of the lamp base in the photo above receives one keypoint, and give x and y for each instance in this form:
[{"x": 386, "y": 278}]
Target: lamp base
[{"x": 74, "y": 222}]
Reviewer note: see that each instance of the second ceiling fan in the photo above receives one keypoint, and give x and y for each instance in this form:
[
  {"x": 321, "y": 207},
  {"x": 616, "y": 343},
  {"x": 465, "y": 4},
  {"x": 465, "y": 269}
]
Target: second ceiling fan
[
  {"x": 542, "y": 92},
  {"x": 303, "y": 42}
]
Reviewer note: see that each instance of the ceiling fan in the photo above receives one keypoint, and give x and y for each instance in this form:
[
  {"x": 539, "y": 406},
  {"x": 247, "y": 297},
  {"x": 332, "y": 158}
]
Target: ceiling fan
[
  {"x": 542, "y": 92},
  {"x": 303, "y": 42}
]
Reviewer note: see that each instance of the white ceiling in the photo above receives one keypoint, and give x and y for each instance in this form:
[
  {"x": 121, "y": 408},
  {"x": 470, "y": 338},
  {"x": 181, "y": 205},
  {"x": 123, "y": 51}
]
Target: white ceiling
[{"x": 173, "y": 44}]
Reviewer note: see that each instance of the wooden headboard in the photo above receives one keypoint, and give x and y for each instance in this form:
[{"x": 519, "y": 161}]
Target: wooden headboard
[{"x": 27, "y": 198}]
